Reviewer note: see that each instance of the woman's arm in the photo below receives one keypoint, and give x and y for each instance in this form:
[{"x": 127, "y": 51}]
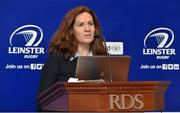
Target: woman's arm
[{"x": 49, "y": 73}]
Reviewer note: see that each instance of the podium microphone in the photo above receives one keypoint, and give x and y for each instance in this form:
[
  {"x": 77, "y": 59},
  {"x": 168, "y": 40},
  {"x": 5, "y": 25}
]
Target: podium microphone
[{"x": 98, "y": 35}]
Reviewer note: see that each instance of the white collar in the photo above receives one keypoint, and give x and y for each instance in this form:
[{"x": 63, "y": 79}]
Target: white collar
[{"x": 77, "y": 55}]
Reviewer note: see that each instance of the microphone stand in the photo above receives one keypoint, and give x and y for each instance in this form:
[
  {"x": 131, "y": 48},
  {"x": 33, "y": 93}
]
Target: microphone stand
[{"x": 108, "y": 58}]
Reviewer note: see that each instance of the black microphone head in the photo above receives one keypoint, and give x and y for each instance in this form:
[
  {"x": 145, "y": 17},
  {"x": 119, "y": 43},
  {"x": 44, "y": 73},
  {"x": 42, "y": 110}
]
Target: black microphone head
[{"x": 97, "y": 35}]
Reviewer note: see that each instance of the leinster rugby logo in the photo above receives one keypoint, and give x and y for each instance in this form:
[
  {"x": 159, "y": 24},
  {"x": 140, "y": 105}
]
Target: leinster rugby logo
[
  {"x": 158, "y": 41},
  {"x": 27, "y": 34},
  {"x": 25, "y": 40}
]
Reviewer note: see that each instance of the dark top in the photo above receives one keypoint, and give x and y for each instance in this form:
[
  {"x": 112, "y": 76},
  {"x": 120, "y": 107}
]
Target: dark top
[{"x": 55, "y": 69}]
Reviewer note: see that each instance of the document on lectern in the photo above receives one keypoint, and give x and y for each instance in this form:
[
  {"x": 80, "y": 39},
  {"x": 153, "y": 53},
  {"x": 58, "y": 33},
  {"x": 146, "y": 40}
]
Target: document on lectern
[{"x": 76, "y": 80}]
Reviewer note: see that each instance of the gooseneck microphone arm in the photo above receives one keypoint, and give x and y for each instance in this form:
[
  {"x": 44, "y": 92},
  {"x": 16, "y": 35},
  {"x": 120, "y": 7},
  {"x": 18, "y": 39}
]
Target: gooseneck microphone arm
[{"x": 98, "y": 35}]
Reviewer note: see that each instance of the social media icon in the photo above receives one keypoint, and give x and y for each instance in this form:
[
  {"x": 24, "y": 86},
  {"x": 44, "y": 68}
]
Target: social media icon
[
  {"x": 164, "y": 66},
  {"x": 176, "y": 66},
  {"x": 170, "y": 66}
]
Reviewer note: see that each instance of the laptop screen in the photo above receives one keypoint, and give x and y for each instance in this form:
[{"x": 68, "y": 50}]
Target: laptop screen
[{"x": 109, "y": 68}]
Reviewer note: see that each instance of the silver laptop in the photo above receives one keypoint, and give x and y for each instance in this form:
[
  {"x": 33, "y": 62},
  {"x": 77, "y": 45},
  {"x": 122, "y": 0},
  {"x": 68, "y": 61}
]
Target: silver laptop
[{"x": 108, "y": 68}]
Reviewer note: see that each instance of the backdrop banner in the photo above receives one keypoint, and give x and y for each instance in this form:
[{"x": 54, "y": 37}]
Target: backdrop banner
[{"x": 148, "y": 31}]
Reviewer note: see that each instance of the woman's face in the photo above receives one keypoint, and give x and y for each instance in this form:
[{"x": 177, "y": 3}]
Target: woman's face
[{"x": 84, "y": 28}]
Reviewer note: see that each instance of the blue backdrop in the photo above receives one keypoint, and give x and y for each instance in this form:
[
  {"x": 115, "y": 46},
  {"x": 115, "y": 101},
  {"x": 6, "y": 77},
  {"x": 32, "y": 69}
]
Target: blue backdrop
[{"x": 128, "y": 21}]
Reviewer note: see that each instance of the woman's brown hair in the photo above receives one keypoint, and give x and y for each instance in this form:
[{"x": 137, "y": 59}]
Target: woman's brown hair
[{"x": 64, "y": 41}]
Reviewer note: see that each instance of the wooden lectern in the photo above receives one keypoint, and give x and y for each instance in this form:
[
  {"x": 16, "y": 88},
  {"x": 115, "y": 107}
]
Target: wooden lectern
[{"x": 104, "y": 97}]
